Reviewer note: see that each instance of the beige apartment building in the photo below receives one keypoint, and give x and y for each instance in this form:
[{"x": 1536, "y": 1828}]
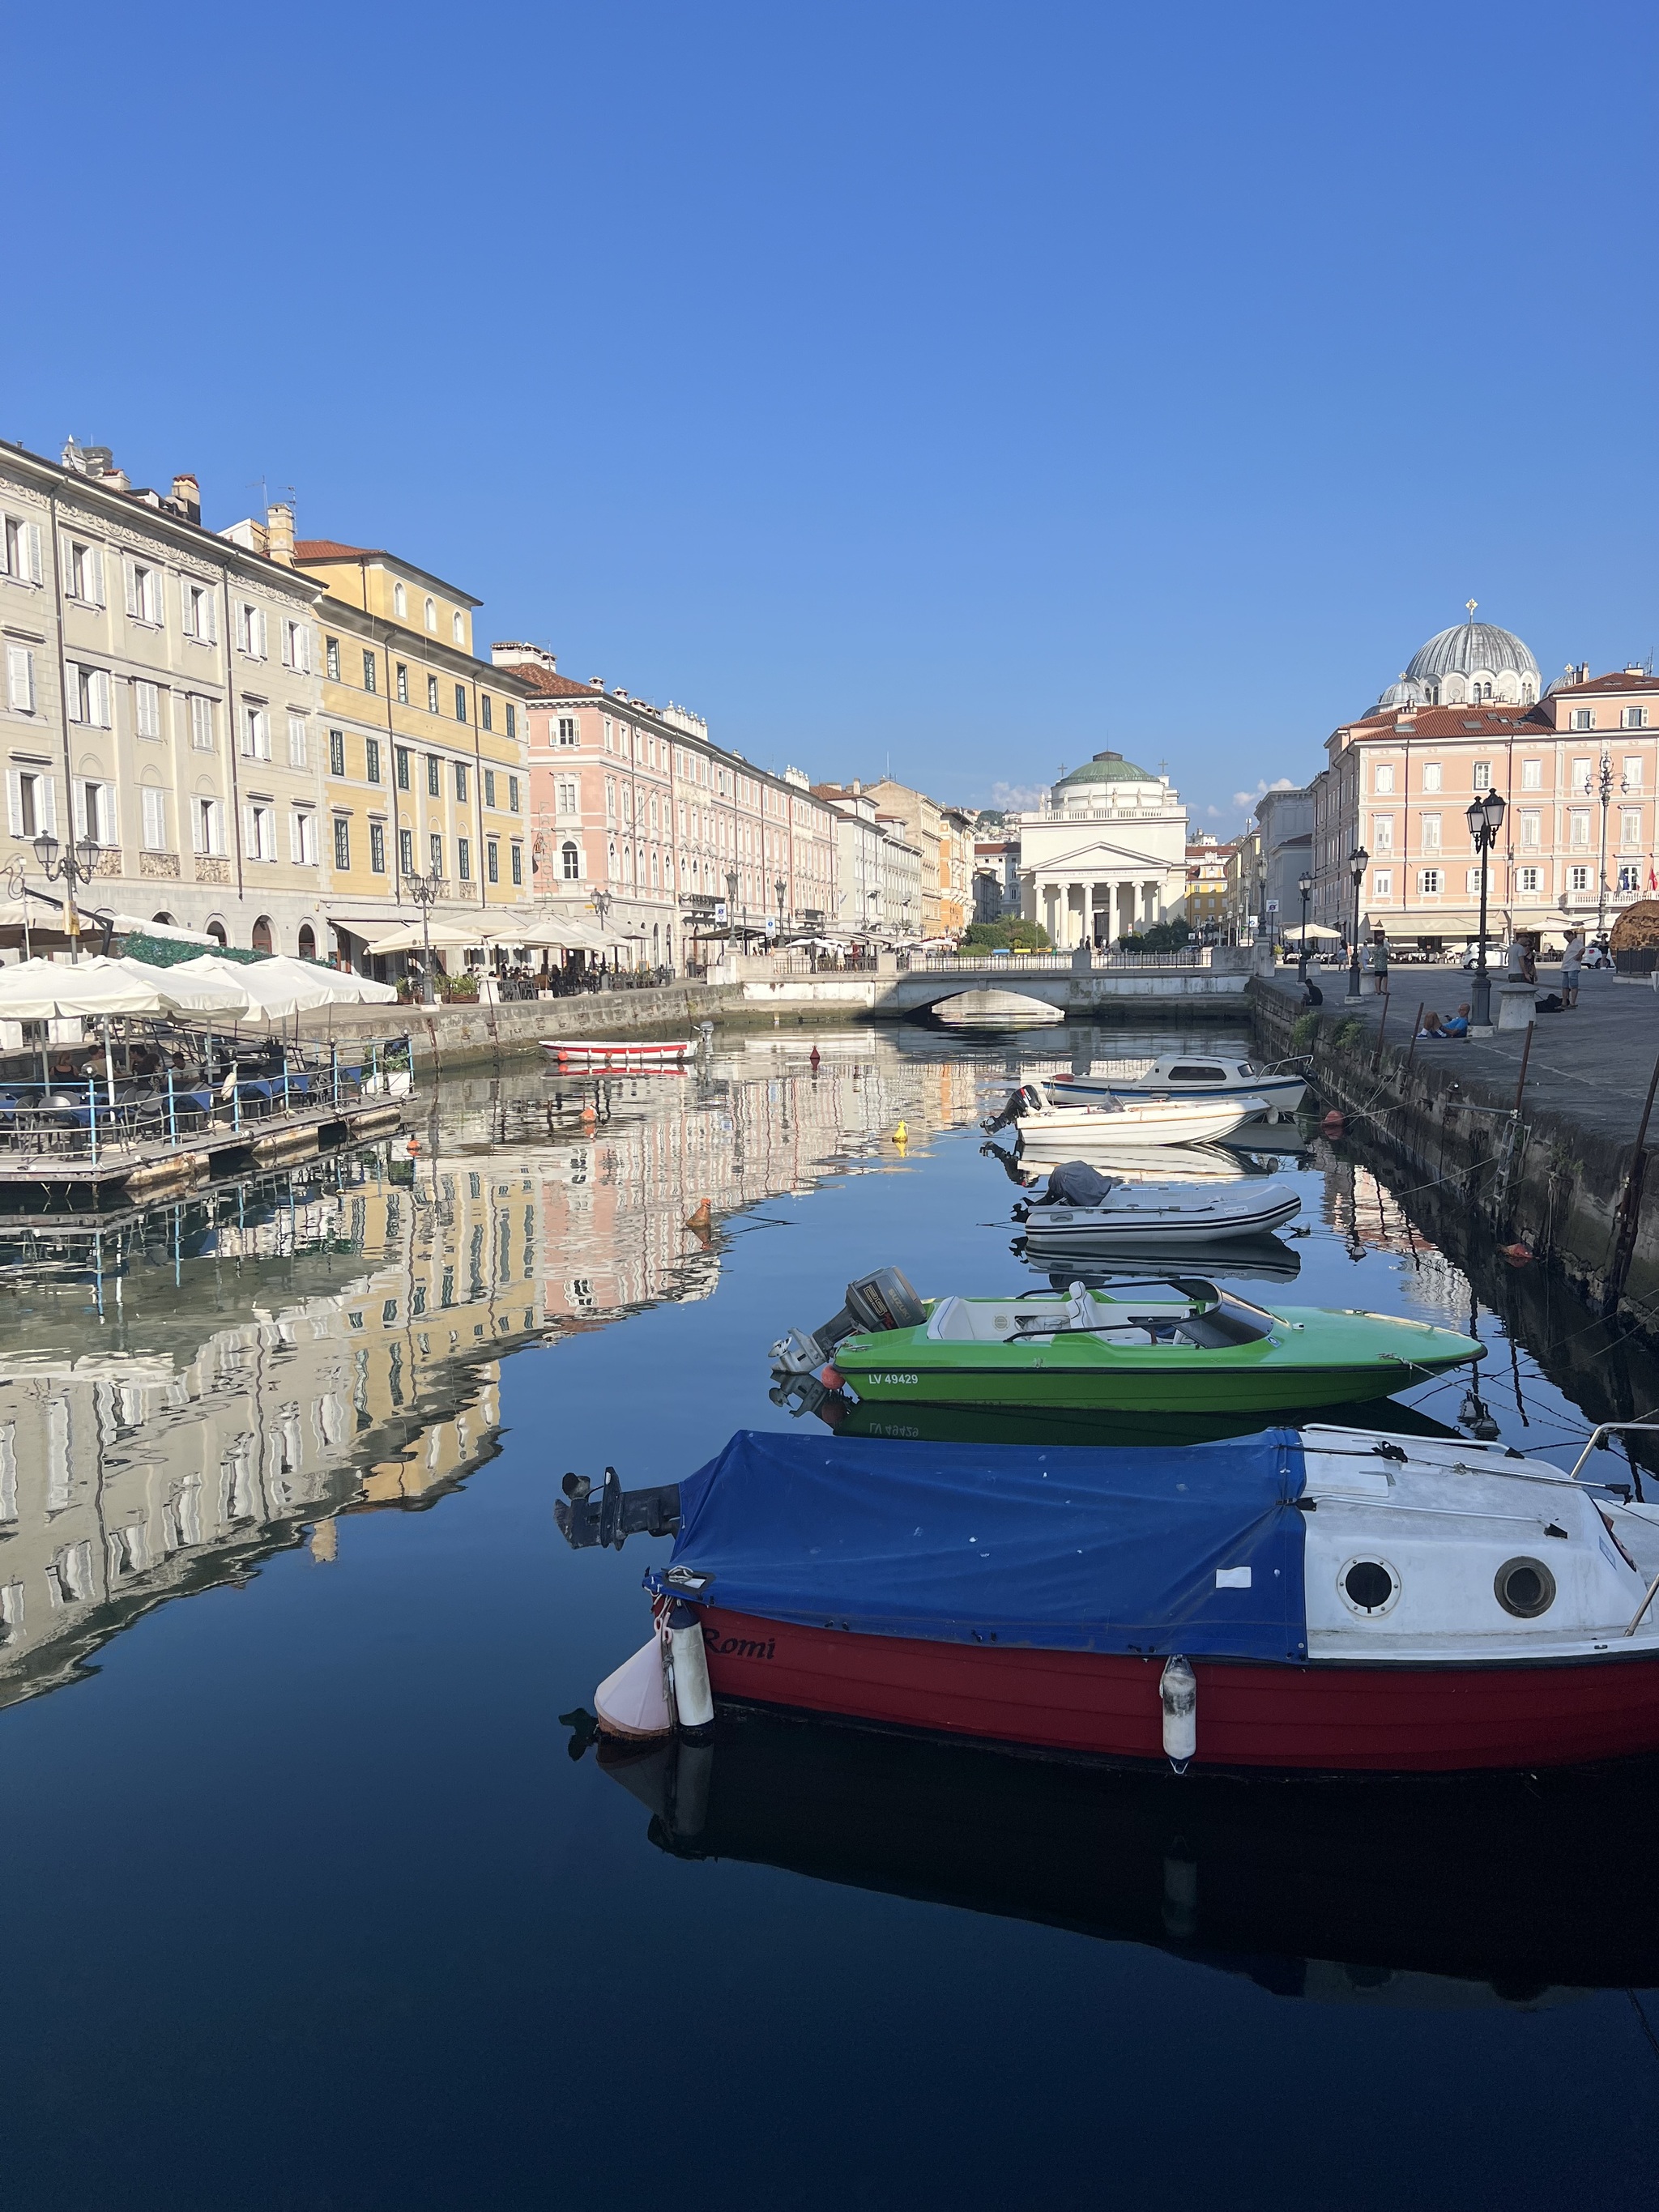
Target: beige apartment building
[
  {"x": 162, "y": 703},
  {"x": 1576, "y": 764},
  {"x": 639, "y": 816}
]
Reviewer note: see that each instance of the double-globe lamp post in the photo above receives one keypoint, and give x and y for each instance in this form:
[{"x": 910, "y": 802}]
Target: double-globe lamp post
[
  {"x": 1359, "y": 861},
  {"x": 78, "y": 865},
  {"x": 424, "y": 890},
  {"x": 1486, "y": 818},
  {"x": 1305, "y": 886}
]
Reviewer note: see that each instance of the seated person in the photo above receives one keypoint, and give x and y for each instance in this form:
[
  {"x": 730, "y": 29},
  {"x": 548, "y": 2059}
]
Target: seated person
[
  {"x": 1451, "y": 1025},
  {"x": 1311, "y": 994}
]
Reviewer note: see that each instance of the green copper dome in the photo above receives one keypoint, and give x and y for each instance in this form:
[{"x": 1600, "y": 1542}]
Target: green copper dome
[{"x": 1105, "y": 767}]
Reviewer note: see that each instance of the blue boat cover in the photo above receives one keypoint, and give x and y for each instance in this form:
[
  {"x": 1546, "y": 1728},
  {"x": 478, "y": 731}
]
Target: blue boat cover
[{"x": 1195, "y": 1548}]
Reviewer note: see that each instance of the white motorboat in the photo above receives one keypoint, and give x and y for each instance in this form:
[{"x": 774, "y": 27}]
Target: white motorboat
[
  {"x": 1080, "y": 1208},
  {"x": 1188, "y": 1075},
  {"x": 639, "y": 1052},
  {"x": 1125, "y": 1122}
]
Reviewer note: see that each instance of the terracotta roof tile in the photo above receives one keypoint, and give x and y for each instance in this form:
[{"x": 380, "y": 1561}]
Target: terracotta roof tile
[
  {"x": 1624, "y": 681},
  {"x": 329, "y": 549},
  {"x": 551, "y": 684}
]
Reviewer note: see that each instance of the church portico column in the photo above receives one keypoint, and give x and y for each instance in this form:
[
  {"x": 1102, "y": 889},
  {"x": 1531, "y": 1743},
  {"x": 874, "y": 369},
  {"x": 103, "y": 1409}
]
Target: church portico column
[
  {"x": 1125, "y": 911},
  {"x": 1149, "y": 900}
]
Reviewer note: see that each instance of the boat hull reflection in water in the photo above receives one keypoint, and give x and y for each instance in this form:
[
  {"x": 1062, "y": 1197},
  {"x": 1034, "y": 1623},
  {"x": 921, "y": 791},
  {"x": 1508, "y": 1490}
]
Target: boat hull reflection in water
[{"x": 1451, "y": 1892}]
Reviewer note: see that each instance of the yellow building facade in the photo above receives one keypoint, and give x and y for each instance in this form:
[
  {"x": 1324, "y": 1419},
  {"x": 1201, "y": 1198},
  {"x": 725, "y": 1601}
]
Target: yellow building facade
[{"x": 425, "y": 747}]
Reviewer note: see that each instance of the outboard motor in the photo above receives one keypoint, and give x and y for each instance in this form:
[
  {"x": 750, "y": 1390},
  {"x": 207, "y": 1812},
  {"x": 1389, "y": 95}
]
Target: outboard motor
[
  {"x": 1025, "y": 1100},
  {"x": 882, "y": 1301}
]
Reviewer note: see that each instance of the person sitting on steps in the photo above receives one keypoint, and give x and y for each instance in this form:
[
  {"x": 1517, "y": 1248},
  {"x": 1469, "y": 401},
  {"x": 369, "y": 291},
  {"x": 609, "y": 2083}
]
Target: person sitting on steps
[{"x": 1451, "y": 1025}]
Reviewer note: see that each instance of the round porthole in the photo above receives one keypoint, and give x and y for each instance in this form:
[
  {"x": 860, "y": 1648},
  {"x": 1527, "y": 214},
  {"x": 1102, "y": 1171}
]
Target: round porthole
[
  {"x": 1525, "y": 1588},
  {"x": 1368, "y": 1586}
]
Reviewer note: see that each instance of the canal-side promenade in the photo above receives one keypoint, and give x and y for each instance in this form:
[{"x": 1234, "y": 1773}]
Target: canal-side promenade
[{"x": 1552, "y": 1162}]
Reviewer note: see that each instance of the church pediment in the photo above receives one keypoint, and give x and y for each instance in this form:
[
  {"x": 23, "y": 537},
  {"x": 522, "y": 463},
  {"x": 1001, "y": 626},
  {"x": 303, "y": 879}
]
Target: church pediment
[{"x": 1099, "y": 853}]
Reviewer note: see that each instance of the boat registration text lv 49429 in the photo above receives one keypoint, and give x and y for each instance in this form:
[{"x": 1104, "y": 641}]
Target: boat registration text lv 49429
[{"x": 876, "y": 1377}]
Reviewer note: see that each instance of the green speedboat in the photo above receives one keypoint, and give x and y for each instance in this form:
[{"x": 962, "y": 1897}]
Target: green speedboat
[{"x": 1179, "y": 1345}]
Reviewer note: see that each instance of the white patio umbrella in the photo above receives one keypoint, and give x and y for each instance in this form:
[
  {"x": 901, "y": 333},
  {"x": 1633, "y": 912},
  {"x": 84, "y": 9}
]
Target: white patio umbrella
[
  {"x": 181, "y": 991},
  {"x": 1314, "y": 929},
  {"x": 445, "y": 937},
  {"x": 273, "y": 988}
]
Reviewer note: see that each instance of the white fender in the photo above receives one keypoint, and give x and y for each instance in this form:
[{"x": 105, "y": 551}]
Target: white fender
[
  {"x": 1178, "y": 1690},
  {"x": 694, "y": 1701},
  {"x": 633, "y": 1702}
]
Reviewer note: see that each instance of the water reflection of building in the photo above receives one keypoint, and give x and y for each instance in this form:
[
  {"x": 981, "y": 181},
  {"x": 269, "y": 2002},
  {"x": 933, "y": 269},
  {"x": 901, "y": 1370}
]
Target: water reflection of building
[{"x": 333, "y": 1341}]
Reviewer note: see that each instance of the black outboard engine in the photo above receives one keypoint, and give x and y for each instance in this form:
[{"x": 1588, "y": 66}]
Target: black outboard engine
[
  {"x": 882, "y": 1301},
  {"x": 1023, "y": 1100}
]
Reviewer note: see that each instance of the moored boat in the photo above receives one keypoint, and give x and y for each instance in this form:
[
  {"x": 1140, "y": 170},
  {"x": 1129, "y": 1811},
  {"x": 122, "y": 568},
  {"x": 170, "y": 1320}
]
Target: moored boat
[
  {"x": 1188, "y": 1075},
  {"x": 1338, "y": 1601},
  {"x": 1123, "y": 1121},
  {"x": 645, "y": 1050},
  {"x": 1082, "y": 1210},
  {"x": 1179, "y": 1344}
]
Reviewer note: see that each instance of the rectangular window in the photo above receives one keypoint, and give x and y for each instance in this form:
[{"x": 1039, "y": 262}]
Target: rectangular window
[
  {"x": 436, "y": 846},
  {"x": 485, "y": 711},
  {"x": 200, "y": 611},
  {"x": 296, "y": 647},
  {"x": 516, "y": 854},
  {"x": 1482, "y": 775},
  {"x": 492, "y": 861},
  {"x": 20, "y": 680},
  {"x": 299, "y": 742},
  {"x": 1630, "y": 827},
  {"x": 94, "y": 813},
  {"x": 1581, "y": 774},
  {"x": 336, "y": 752},
  {"x": 434, "y": 777},
  {"x": 1382, "y": 832},
  {"x": 1430, "y": 833},
  {"x": 1578, "y": 879},
  {"x": 143, "y": 592},
  {"x": 460, "y": 702},
  {"x": 32, "y": 804},
  {"x": 400, "y": 758},
  {"x": 1428, "y": 882},
  {"x": 20, "y": 544},
  {"x": 331, "y": 657},
  {"x": 259, "y": 830},
  {"x": 1532, "y": 775},
  {"x": 85, "y": 576},
  {"x": 464, "y": 859},
  {"x": 565, "y": 795},
  {"x": 1531, "y": 830},
  {"x": 406, "y": 852},
  {"x": 403, "y": 683},
  {"x": 1634, "y": 717},
  {"x": 377, "y": 848},
  {"x": 147, "y": 709},
  {"x": 369, "y": 667},
  {"x": 1583, "y": 719},
  {"x": 302, "y": 837},
  {"x": 208, "y": 827},
  {"x": 512, "y": 719},
  {"x": 1431, "y": 775},
  {"x": 460, "y": 782},
  {"x": 154, "y": 804},
  {"x": 342, "y": 844},
  {"x": 371, "y": 760},
  {"x": 1471, "y": 881},
  {"x": 1630, "y": 878},
  {"x": 1526, "y": 880},
  {"x": 513, "y": 794},
  {"x": 490, "y": 786},
  {"x": 570, "y": 733},
  {"x": 1579, "y": 823},
  {"x": 251, "y": 630},
  {"x": 1382, "y": 883},
  {"x": 256, "y": 734},
  {"x": 1633, "y": 771},
  {"x": 201, "y": 722},
  {"x": 431, "y": 695}
]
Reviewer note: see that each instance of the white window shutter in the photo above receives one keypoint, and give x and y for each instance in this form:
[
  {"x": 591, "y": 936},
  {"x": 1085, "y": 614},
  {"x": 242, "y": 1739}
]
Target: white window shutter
[
  {"x": 288, "y": 644},
  {"x": 20, "y": 679},
  {"x": 250, "y": 842},
  {"x": 94, "y": 566},
  {"x": 46, "y": 793},
  {"x": 37, "y": 573},
  {"x": 14, "y": 801},
  {"x": 71, "y": 691},
  {"x": 210, "y": 617},
  {"x": 130, "y": 575},
  {"x": 80, "y": 797},
  {"x": 260, "y": 633},
  {"x": 101, "y": 698}
]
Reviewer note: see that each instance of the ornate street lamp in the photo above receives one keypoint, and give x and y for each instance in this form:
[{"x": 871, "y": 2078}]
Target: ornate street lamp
[
  {"x": 1604, "y": 787},
  {"x": 780, "y": 885},
  {"x": 424, "y": 890},
  {"x": 76, "y": 864},
  {"x": 1486, "y": 818},
  {"x": 731, "y": 902},
  {"x": 1359, "y": 861},
  {"x": 1304, "y": 885}
]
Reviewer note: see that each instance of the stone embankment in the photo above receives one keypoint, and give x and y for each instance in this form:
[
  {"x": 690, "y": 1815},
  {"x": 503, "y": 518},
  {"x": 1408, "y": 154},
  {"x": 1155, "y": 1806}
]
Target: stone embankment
[
  {"x": 448, "y": 1038},
  {"x": 1528, "y": 1138}
]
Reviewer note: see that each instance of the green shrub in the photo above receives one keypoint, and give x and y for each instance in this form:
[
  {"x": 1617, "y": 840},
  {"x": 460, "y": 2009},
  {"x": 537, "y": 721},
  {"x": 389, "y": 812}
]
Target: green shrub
[
  {"x": 1011, "y": 934},
  {"x": 1347, "y": 1033},
  {"x": 1162, "y": 936},
  {"x": 1306, "y": 1030}
]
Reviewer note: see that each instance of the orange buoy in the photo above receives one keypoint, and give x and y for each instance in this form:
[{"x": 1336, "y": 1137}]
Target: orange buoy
[
  {"x": 831, "y": 1377},
  {"x": 413, "y": 1146},
  {"x": 588, "y": 1115},
  {"x": 1334, "y": 1123},
  {"x": 701, "y": 1217}
]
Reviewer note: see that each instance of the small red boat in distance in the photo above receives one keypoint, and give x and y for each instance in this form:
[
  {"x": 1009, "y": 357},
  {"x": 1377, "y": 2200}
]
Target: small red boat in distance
[{"x": 633, "y": 1052}]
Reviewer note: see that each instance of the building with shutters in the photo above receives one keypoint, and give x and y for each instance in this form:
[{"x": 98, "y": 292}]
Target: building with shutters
[
  {"x": 161, "y": 701},
  {"x": 425, "y": 748},
  {"x": 1575, "y": 762},
  {"x": 636, "y": 811}
]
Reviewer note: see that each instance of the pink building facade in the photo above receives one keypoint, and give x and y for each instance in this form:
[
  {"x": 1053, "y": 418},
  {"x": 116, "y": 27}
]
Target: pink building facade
[{"x": 636, "y": 803}]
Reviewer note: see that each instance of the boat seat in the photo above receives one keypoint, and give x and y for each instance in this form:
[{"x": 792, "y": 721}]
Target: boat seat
[
  {"x": 1216, "y": 1332},
  {"x": 951, "y": 1322}
]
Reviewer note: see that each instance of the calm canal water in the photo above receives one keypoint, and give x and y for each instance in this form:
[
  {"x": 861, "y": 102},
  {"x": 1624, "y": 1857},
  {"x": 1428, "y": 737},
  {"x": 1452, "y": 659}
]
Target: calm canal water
[{"x": 305, "y": 1901}]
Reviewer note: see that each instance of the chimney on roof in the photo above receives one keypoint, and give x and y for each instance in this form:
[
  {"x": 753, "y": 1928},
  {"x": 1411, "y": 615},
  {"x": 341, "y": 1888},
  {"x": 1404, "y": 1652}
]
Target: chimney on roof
[
  {"x": 597, "y": 682},
  {"x": 510, "y": 655},
  {"x": 279, "y": 533},
  {"x": 1583, "y": 672},
  {"x": 187, "y": 498}
]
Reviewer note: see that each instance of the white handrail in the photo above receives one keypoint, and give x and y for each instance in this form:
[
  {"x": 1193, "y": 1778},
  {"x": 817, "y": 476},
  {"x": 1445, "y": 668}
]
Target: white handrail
[{"x": 1611, "y": 1429}]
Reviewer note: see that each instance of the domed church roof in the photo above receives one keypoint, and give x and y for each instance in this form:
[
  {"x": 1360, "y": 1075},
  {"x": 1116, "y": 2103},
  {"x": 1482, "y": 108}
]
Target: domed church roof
[
  {"x": 1469, "y": 663},
  {"x": 1105, "y": 767}
]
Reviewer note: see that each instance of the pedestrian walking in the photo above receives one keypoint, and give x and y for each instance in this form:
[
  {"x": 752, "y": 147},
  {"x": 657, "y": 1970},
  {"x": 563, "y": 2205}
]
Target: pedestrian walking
[
  {"x": 1377, "y": 960},
  {"x": 1572, "y": 968}
]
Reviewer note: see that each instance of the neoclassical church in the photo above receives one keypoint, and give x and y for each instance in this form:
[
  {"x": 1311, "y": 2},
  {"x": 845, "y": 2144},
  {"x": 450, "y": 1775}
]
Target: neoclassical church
[
  {"x": 1105, "y": 855},
  {"x": 1470, "y": 664}
]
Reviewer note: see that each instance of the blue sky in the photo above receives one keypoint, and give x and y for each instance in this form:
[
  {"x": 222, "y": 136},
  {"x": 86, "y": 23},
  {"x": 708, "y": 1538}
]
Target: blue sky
[{"x": 960, "y": 387}]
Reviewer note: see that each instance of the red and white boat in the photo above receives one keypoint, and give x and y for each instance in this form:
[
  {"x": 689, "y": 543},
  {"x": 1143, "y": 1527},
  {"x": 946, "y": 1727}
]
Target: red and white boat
[
  {"x": 1336, "y": 1600},
  {"x": 635, "y": 1052}
]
